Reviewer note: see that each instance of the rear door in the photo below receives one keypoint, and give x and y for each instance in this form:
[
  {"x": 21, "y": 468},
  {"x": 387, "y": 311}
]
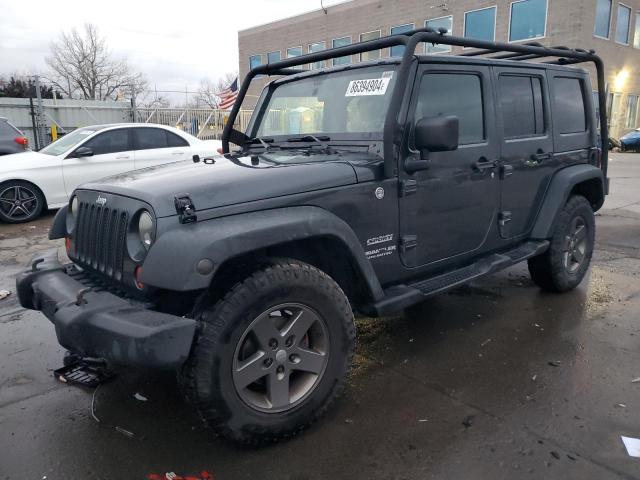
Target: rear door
[
  {"x": 112, "y": 154},
  {"x": 155, "y": 146},
  {"x": 448, "y": 210},
  {"x": 527, "y": 161}
]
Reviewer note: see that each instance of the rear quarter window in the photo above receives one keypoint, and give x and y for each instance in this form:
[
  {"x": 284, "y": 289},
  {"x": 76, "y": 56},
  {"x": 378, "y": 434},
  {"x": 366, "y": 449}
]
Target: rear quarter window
[
  {"x": 570, "y": 111},
  {"x": 7, "y": 130}
]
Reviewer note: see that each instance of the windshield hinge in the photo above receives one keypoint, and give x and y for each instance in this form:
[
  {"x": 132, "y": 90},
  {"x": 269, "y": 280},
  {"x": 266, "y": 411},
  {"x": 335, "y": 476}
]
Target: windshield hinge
[
  {"x": 185, "y": 208},
  {"x": 408, "y": 187}
]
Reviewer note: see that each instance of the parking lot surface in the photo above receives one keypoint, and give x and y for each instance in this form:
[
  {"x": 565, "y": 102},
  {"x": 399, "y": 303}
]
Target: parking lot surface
[{"x": 489, "y": 381}]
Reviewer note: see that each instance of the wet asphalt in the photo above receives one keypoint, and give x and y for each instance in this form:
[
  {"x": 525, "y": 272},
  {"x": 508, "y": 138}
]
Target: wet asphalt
[{"x": 495, "y": 380}]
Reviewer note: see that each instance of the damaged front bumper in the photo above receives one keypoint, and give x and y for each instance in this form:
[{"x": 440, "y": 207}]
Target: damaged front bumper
[{"x": 100, "y": 324}]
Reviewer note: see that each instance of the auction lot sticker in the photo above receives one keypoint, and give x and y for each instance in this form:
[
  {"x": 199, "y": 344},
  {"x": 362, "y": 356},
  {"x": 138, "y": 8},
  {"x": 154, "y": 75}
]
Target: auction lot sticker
[{"x": 372, "y": 86}]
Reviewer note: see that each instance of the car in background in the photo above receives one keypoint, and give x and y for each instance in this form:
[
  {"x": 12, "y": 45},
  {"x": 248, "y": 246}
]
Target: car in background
[
  {"x": 12, "y": 140},
  {"x": 631, "y": 141},
  {"x": 33, "y": 181}
]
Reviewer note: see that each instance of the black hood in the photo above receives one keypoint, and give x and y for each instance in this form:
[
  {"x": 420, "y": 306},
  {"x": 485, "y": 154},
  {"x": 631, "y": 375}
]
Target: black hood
[{"x": 230, "y": 179}]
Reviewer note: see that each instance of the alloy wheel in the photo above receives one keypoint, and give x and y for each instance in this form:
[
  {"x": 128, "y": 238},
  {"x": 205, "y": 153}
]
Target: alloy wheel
[
  {"x": 280, "y": 358},
  {"x": 18, "y": 202},
  {"x": 575, "y": 247}
]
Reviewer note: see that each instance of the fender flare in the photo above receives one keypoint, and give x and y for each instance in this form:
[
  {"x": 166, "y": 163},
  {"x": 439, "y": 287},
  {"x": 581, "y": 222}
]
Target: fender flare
[
  {"x": 171, "y": 262},
  {"x": 562, "y": 183},
  {"x": 59, "y": 225}
]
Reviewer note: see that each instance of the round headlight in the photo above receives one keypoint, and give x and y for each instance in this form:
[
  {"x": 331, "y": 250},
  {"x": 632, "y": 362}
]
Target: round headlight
[
  {"x": 146, "y": 229},
  {"x": 74, "y": 207}
]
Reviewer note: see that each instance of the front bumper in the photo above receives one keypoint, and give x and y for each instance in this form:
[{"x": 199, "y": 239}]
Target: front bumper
[{"x": 100, "y": 324}]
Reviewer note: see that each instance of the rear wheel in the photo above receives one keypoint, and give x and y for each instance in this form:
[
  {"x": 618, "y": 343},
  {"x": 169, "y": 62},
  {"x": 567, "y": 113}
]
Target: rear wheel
[
  {"x": 272, "y": 355},
  {"x": 564, "y": 265},
  {"x": 20, "y": 202}
]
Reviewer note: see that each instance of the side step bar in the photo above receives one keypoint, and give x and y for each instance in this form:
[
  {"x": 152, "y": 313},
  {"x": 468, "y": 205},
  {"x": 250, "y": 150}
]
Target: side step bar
[{"x": 399, "y": 297}]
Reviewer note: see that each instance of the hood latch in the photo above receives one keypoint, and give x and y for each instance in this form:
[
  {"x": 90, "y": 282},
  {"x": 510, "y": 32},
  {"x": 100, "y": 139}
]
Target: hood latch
[{"x": 185, "y": 208}]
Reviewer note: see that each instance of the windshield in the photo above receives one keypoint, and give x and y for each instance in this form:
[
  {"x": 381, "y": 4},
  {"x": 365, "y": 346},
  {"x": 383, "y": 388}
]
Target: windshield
[
  {"x": 352, "y": 101},
  {"x": 67, "y": 142}
]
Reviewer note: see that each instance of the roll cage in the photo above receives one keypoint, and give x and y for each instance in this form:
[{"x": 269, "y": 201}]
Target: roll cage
[{"x": 558, "y": 55}]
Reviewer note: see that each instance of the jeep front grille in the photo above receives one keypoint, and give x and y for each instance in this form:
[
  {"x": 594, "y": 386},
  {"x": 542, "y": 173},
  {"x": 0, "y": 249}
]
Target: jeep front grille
[{"x": 100, "y": 239}]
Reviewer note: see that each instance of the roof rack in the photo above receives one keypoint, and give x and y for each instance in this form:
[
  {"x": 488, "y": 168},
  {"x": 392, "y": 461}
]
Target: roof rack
[{"x": 558, "y": 55}]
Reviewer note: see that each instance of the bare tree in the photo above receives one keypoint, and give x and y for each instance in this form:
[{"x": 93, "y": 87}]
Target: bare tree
[
  {"x": 209, "y": 90},
  {"x": 82, "y": 66}
]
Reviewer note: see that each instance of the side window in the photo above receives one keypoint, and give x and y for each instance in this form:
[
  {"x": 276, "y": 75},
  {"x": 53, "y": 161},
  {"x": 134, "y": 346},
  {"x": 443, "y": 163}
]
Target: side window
[
  {"x": 522, "y": 107},
  {"x": 569, "y": 112},
  {"x": 174, "y": 140},
  {"x": 458, "y": 94},
  {"x": 148, "y": 138},
  {"x": 113, "y": 141}
]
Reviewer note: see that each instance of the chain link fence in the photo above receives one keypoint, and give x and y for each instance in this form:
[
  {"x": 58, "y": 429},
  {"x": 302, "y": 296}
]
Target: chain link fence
[{"x": 62, "y": 116}]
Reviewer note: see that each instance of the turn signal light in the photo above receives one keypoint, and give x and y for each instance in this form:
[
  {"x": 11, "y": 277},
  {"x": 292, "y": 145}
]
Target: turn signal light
[{"x": 67, "y": 244}]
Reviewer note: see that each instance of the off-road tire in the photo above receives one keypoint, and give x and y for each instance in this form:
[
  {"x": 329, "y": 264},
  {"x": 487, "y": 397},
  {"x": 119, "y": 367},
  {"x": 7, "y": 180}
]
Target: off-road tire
[
  {"x": 207, "y": 375},
  {"x": 548, "y": 270}
]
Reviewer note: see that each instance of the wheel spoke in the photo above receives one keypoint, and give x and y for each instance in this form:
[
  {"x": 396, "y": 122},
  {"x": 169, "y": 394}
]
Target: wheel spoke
[
  {"x": 265, "y": 330},
  {"x": 16, "y": 193},
  {"x": 279, "y": 390},
  {"x": 12, "y": 211},
  {"x": 250, "y": 370},
  {"x": 29, "y": 199},
  {"x": 310, "y": 361},
  {"x": 6, "y": 200},
  {"x": 578, "y": 256},
  {"x": 299, "y": 324},
  {"x": 566, "y": 246},
  {"x": 581, "y": 234}
]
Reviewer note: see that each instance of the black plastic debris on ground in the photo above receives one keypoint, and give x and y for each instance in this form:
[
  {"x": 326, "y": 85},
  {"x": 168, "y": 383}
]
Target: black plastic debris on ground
[{"x": 83, "y": 374}]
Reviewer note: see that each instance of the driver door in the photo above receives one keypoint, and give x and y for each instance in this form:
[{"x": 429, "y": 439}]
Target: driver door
[
  {"x": 112, "y": 154},
  {"x": 448, "y": 209}
]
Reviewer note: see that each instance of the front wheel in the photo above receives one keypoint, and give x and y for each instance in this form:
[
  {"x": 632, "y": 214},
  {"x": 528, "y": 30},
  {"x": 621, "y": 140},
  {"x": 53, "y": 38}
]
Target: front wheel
[
  {"x": 272, "y": 355},
  {"x": 564, "y": 265},
  {"x": 20, "y": 202}
]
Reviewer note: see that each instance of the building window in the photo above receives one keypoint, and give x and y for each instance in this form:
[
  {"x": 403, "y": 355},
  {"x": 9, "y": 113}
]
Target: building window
[
  {"x": 436, "y": 23},
  {"x": 623, "y": 25},
  {"x": 636, "y": 35},
  {"x": 255, "y": 61},
  {"x": 613, "y": 108},
  {"x": 528, "y": 19},
  {"x": 398, "y": 50},
  {"x": 314, "y": 48},
  {"x": 603, "y": 18},
  {"x": 273, "y": 57},
  {"x": 374, "y": 54},
  {"x": 294, "y": 52},
  {"x": 480, "y": 24},
  {"x": 632, "y": 111},
  {"x": 341, "y": 42}
]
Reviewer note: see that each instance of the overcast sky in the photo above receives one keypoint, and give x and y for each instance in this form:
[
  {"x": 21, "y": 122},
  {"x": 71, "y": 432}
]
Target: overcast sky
[{"x": 174, "y": 43}]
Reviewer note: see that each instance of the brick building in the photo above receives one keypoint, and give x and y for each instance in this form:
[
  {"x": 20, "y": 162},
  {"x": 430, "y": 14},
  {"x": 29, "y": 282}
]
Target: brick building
[{"x": 610, "y": 27}]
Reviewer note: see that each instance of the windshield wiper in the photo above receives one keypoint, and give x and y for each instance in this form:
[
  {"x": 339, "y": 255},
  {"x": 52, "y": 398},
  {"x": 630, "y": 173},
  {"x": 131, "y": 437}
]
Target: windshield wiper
[
  {"x": 310, "y": 138},
  {"x": 264, "y": 141}
]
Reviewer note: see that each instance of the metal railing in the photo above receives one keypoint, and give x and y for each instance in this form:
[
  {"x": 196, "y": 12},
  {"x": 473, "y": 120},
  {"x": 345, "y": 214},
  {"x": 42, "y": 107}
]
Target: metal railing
[{"x": 204, "y": 123}]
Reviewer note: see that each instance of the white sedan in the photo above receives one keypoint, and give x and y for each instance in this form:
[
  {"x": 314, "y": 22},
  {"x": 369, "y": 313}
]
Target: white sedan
[{"x": 33, "y": 181}]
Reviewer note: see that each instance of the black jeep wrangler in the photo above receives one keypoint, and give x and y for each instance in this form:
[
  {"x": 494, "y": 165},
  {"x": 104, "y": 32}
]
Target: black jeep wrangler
[{"x": 363, "y": 188}]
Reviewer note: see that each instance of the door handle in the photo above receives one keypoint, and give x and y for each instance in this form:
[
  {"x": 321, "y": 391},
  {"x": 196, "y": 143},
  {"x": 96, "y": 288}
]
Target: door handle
[
  {"x": 122, "y": 157},
  {"x": 483, "y": 164},
  {"x": 177, "y": 153},
  {"x": 541, "y": 156}
]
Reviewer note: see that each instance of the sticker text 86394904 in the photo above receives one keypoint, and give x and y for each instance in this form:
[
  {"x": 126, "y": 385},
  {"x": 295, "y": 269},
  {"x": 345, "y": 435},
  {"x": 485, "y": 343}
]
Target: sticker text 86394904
[{"x": 373, "y": 86}]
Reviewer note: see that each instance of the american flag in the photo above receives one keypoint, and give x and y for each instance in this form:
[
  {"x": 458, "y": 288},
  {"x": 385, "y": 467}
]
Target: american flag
[{"x": 228, "y": 96}]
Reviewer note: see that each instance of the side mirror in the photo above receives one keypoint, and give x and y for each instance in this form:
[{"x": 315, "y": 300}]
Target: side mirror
[
  {"x": 82, "y": 152},
  {"x": 433, "y": 134},
  {"x": 437, "y": 134}
]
